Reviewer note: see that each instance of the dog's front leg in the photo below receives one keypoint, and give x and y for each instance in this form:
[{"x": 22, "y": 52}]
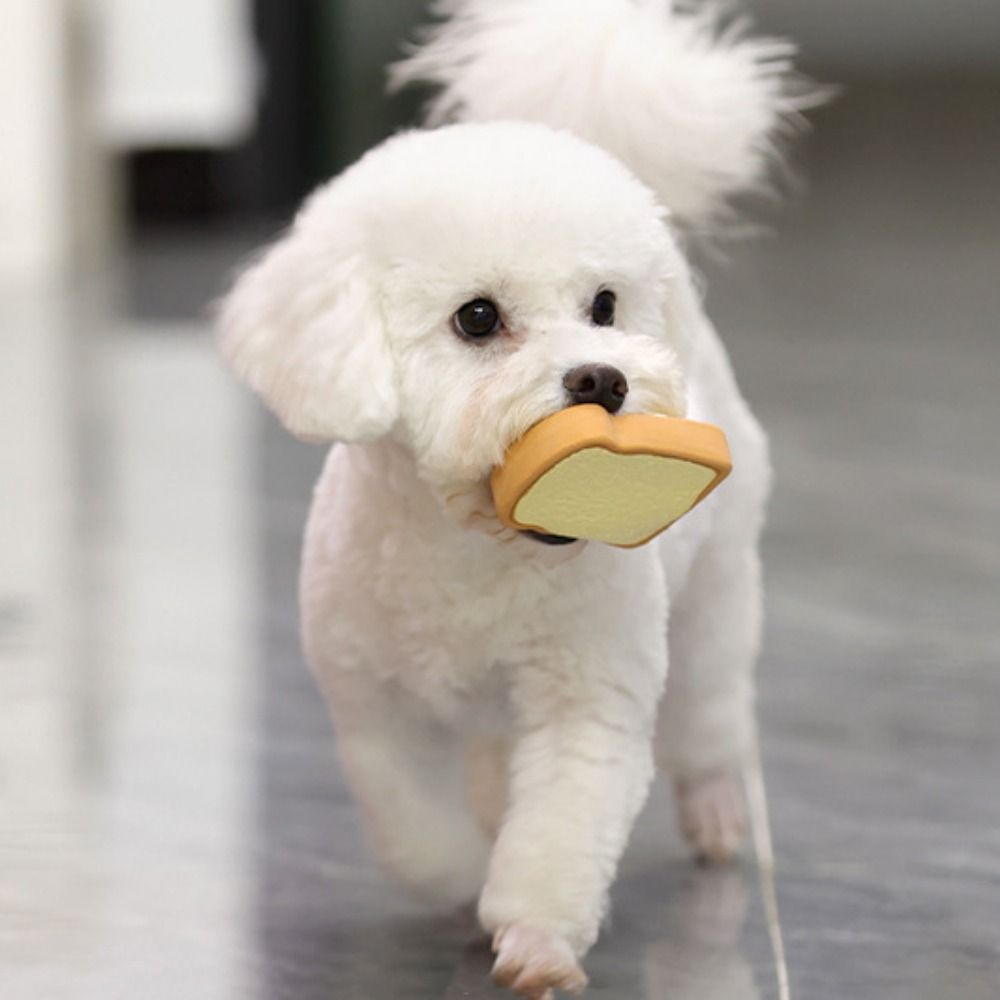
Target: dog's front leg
[{"x": 579, "y": 773}]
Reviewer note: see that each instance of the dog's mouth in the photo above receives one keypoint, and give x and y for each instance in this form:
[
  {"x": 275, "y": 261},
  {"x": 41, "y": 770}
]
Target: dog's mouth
[{"x": 539, "y": 536}]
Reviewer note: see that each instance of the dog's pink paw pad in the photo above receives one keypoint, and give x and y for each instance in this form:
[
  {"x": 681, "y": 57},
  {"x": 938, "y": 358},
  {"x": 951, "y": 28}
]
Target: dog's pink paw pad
[
  {"x": 534, "y": 962},
  {"x": 713, "y": 815}
]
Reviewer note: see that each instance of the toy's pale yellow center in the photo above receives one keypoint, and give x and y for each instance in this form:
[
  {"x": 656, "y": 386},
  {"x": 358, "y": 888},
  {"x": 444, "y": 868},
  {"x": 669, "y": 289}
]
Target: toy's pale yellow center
[{"x": 613, "y": 498}]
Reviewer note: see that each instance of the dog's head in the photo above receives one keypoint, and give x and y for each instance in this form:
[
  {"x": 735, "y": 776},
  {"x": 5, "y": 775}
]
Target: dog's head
[{"x": 456, "y": 286}]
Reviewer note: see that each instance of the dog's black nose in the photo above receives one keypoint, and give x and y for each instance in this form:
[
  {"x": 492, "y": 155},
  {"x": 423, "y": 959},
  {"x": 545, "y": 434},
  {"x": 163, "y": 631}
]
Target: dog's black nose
[{"x": 599, "y": 384}]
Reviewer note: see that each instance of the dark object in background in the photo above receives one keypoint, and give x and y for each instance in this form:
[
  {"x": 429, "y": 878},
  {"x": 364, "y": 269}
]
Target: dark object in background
[{"x": 167, "y": 186}]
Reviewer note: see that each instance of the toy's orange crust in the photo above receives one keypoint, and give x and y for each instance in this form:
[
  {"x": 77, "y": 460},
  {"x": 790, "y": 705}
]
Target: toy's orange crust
[{"x": 571, "y": 430}]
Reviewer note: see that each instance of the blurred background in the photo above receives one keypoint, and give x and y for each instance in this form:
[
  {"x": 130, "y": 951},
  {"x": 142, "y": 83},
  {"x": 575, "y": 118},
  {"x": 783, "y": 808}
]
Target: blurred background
[{"x": 172, "y": 821}]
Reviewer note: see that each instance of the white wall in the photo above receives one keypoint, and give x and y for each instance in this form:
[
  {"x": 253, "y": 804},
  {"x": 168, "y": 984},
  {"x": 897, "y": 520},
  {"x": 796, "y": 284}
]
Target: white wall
[
  {"x": 81, "y": 78},
  {"x": 176, "y": 72},
  {"x": 33, "y": 137}
]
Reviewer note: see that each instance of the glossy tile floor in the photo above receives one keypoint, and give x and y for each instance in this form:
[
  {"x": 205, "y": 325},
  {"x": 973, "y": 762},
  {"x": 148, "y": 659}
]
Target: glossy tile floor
[{"x": 172, "y": 821}]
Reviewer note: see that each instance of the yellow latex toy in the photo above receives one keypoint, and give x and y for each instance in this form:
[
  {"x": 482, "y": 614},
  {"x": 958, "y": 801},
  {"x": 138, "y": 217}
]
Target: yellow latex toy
[{"x": 619, "y": 479}]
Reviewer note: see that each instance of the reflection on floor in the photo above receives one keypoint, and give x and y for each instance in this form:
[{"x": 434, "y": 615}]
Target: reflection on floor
[{"x": 172, "y": 820}]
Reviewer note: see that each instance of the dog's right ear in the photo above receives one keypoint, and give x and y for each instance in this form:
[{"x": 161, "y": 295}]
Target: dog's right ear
[{"x": 302, "y": 326}]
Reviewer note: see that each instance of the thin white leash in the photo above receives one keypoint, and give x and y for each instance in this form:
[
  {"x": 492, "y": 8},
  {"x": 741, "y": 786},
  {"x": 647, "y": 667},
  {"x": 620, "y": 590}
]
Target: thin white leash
[{"x": 760, "y": 826}]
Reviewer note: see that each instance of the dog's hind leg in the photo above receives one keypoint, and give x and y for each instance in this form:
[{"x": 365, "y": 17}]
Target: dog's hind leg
[
  {"x": 706, "y": 727},
  {"x": 406, "y": 772}
]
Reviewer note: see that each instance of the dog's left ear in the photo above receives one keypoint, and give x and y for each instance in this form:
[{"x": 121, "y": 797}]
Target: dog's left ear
[{"x": 302, "y": 326}]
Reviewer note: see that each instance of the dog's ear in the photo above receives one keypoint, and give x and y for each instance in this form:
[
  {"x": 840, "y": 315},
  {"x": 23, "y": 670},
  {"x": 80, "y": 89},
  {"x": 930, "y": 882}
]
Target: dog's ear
[{"x": 302, "y": 326}]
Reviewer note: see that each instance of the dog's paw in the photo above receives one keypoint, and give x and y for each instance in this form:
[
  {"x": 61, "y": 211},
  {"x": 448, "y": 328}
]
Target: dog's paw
[
  {"x": 534, "y": 962},
  {"x": 712, "y": 815}
]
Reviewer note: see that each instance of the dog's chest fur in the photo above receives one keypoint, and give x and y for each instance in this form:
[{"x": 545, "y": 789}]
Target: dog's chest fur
[{"x": 391, "y": 585}]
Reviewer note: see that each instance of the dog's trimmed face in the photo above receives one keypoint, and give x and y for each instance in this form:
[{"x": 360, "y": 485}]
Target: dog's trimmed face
[{"x": 456, "y": 286}]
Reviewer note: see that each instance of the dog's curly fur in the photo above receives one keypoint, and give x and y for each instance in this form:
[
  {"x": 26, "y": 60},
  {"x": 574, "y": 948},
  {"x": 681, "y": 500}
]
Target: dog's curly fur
[{"x": 497, "y": 701}]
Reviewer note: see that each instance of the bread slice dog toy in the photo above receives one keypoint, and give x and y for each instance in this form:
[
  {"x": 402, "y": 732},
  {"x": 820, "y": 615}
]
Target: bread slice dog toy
[{"x": 585, "y": 473}]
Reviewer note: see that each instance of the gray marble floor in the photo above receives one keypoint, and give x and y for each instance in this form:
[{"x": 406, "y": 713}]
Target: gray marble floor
[{"x": 172, "y": 820}]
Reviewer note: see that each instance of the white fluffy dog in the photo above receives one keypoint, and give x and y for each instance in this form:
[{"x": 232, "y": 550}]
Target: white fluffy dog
[{"x": 496, "y": 699}]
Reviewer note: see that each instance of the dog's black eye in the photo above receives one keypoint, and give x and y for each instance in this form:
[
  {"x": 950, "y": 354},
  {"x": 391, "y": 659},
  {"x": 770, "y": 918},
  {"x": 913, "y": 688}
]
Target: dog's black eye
[
  {"x": 478, "y": 319},
  {"x": 602, "y": 312}
]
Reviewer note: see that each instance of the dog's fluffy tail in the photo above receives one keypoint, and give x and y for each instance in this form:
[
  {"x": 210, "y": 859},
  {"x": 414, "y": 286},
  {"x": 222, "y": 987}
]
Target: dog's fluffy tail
[{"x": 691, "y": 105}]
